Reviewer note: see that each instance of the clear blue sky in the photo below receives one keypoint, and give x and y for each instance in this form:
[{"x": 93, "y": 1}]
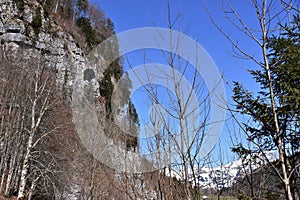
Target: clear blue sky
[{"x": 138, "y": 13}]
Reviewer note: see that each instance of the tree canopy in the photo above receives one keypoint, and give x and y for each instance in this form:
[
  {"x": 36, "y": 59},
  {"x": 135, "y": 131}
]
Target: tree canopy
[{"x": 274, "y": 110}]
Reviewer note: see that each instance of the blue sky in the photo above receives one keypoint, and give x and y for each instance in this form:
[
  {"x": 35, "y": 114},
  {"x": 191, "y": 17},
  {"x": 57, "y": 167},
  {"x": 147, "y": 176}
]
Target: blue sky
[
  {"x": 136, "y": 13},
  {"x": 132, "y": 14}
]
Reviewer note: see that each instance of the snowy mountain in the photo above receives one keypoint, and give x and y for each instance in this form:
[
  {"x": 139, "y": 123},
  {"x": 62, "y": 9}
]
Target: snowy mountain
[{"x": 226, "y": 175}]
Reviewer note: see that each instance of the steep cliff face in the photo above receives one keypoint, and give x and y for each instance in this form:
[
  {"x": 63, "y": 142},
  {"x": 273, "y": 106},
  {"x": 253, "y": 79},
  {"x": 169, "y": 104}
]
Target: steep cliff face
[
  {"x": 27, "y": 31},
  {"x": 26, "y": 24},
  {"x": 46, "y": 159}
]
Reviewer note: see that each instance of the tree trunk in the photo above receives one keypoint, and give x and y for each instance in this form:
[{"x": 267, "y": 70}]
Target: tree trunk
[
  {"x": 9, "y": 176},
  {"x": 3, "y": 175},
  {"x": 56, "y": 6},
  {"x": 281, "y": 152},
  {"x": 32, "y": 187},
  {"x": 25, "y": 166}
]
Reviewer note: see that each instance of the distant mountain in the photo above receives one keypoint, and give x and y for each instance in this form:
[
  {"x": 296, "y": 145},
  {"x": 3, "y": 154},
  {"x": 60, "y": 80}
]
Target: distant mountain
[
  {"x": 225, "y": 176},
  {"x": 251, "y": 176}
]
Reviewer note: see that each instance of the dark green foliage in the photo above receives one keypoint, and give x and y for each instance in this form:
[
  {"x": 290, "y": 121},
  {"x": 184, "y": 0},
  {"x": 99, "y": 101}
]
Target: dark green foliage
[
  {"x": 47, "y": 8},
  {"x": 106, "y": 88},
  {"x": 124, "y": 85},
  {"x": 284, "y": 59},
  {"x": 37, "y": 21},
  {"x": 85, "y": 25},
  {"x": 20, "y": 4},
  {"x": 27, "y": 30},
  {"x": 260, "y": 111},
  {"x": 82, "y": 7},
  {"x": 110, "y": 25},
  {"x": 66, "y": 79},
  {"x": 132, "y": 142},
  {"x": 284, "y": 67},
  {"x": 67, "y": 12},
  {"x": 132, "y": 113},
  {"x": 241, "y": 150},
  {"x": 114, "y": 70},
  {"x": 241, "y": 196},
  {"x": 134, "y": 124}
]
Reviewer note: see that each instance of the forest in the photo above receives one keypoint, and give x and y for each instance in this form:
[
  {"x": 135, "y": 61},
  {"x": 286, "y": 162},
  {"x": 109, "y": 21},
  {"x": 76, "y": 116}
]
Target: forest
[{"x": 45, "y": 44}]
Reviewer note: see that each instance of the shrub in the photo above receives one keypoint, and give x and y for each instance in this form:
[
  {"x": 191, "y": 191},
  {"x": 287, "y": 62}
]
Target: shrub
[
  {"x": 85, "y": 25},
  {"x": 20, "y": 4},
  {"x": 37, "y": 21}
]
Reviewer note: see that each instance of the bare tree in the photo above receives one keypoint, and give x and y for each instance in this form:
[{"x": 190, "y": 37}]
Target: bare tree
[
  {"x": 179, "y": 116},
  {"x": 268, "y": 19},
  {"x": 29, "y": 95}
]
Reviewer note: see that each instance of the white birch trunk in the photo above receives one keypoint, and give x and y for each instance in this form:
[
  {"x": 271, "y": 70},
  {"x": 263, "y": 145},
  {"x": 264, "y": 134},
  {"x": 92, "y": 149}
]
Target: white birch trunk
[
  {"x": 282, "y": 155},
  {"x": 9, "y": 176},
  {"x": 35, "y": 122},
  {"x": 7, "y": 149},
  {"x": 24, "y": 172},
  {"x": 17, "y": 178},
  {"x": 56, "y": 6},
  {"x": 32, "y": 187},
  {"x": 3, "y": 175},
  {"x": 12, "y": 167}
]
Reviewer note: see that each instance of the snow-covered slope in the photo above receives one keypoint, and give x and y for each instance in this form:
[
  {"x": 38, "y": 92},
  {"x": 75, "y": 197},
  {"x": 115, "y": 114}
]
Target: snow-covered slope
[{"x": 224, "y": 176}]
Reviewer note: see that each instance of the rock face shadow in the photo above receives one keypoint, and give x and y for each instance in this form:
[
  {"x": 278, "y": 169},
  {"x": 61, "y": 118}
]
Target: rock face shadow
[{"x": 89, "y": 75}]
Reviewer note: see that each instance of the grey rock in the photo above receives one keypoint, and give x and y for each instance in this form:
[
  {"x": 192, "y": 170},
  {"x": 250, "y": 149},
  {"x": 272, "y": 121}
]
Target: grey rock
[
  {"x": 3, "y": 17},
  {"x": 2, "y": 29},
  {"x": 14, "y": 37},
  {"x": 28, "y": 14},
  {"x": 13, "y": 27},
  {"x": 89, "y": 74},
  {"x": 60, "y": 48}
]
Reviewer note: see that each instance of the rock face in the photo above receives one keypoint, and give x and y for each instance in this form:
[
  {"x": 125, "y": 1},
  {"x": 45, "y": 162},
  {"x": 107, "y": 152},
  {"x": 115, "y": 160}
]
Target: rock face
[
  {"x": 75, "y": 72},
  {"x": 55, "y": 45},
  {"x": 50, "y": 40}
]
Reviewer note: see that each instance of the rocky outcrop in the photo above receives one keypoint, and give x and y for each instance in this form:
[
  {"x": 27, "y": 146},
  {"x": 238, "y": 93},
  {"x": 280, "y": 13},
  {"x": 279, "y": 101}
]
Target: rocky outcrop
[
  {"x": 49, "y": 39},
  {"x": 60, "y": 50},
  {"x": 25, "y": 28}
]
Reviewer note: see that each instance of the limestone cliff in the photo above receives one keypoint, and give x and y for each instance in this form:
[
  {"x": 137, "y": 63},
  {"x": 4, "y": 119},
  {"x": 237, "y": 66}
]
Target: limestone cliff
[
  {"x": 30, "y": 27},
  {"x": 26, "y": 30},
  {"x": 59, "y": 166}
]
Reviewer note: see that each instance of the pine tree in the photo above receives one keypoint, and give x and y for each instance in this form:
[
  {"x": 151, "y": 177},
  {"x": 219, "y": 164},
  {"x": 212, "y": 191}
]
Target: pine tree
[{"x": 284, "y": 76}]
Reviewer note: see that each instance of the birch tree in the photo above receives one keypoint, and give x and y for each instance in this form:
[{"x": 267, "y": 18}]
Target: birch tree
[
  {"x": 269, "y": 111},
  {"x": 28, "y": 93}
]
